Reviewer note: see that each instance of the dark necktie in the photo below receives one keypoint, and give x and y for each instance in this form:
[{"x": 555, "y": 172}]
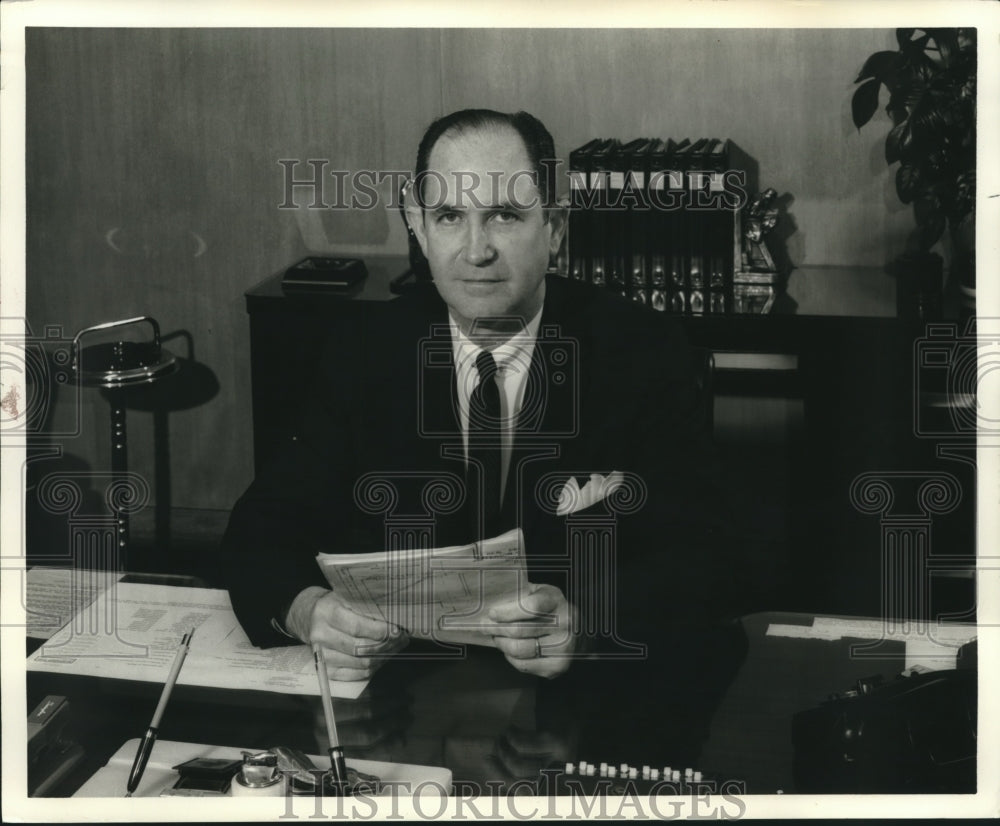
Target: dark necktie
[{"x": 483, "y": 474}]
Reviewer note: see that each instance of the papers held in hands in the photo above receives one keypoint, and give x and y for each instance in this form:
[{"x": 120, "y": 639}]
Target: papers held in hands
[{"x": 441, "y": 594}]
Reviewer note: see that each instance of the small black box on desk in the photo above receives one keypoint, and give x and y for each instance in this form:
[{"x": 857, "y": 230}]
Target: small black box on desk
[{"x": 318, "y": 273}]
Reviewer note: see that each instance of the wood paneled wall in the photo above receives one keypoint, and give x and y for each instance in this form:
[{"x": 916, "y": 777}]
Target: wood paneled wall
[{"x": 153, "y": 182}]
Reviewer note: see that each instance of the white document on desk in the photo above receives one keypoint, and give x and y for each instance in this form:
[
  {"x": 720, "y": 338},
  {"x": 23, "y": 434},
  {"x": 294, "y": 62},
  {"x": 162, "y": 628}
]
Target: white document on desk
[
  {"x": 929, "y": 644},
  {"x": 131, "y": 632},
  {"x": 442, "y": 594},
  {"x": 54, "y": 595}
]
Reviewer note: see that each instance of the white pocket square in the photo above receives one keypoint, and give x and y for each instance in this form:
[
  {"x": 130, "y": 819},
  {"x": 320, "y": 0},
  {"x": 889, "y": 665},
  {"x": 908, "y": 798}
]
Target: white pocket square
[{"x": 572, "y": 498}]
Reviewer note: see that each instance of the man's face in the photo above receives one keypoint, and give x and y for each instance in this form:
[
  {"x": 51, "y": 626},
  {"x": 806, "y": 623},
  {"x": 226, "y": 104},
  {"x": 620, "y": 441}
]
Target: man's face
[{"x": 483, "y": 228}]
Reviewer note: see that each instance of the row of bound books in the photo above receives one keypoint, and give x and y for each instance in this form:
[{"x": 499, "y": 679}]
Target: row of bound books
[{"x": 658, "y": 221}]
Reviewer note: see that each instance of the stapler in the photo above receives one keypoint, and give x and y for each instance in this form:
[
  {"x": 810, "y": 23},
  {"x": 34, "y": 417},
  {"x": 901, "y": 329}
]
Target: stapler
[{"x": 51, "y": 753}]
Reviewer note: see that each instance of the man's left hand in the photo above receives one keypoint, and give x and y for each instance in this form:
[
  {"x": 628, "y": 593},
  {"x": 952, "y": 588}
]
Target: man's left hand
[{"x": 536, "y": 631}]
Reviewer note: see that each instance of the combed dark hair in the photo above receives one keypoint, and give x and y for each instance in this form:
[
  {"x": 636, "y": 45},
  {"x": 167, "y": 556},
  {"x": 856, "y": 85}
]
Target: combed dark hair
[{"x": 537, "y": 141}]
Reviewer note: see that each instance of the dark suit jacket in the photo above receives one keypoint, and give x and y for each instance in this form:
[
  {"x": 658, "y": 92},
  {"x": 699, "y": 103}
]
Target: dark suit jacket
[{"x": 378, "y": 449}]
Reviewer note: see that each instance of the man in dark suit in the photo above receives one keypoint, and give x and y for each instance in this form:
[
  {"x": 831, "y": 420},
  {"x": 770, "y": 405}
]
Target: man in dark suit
[{"x": 493, "y": 398}]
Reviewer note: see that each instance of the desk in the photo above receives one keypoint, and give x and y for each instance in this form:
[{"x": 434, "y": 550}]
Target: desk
[{"x": 722, "y": 701}]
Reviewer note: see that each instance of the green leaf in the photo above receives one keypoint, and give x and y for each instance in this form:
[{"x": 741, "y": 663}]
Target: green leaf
[
  {"x": 865, "y": 102},
  {"x": 908, "y": 181},
  {"x": 881, "y": 66}
]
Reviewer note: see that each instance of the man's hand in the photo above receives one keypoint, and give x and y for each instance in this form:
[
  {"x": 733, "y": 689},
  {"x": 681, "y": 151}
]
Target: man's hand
[
  {"x": 354, "y": 645},
  {"x": 535, "y": 632}
]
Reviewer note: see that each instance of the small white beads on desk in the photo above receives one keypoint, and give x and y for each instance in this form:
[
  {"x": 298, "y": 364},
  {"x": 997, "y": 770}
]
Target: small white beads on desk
[{"x": 627, "y": 772}]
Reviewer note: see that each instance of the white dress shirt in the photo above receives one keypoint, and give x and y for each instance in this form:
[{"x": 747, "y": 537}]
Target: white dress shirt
[{"x": 513, "y": 359}]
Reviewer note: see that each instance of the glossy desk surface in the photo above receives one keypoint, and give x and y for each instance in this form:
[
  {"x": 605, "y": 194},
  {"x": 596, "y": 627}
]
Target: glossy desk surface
[{"x": 721, "y": 701}]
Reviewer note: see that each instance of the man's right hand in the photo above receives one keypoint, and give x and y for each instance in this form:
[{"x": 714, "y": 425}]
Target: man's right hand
[{"x": 354, "y": 645}]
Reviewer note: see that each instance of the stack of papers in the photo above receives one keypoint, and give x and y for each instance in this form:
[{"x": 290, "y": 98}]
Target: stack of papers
[
  {"x": 131, "y": 632},
  {"x": 930, "y": 645},
  {"x": 55, "y": 595},
  {"x": 441, "y": 594}
]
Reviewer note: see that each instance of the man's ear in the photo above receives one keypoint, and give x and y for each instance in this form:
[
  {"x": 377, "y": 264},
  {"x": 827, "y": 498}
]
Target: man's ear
[
  {"x": 414, "y": 215},
  {"x": 558, "y": 217}
]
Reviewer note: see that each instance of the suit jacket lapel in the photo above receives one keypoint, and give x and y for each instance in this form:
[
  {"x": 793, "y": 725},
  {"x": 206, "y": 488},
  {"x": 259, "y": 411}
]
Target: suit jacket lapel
[{"x": 550, "y": 435}]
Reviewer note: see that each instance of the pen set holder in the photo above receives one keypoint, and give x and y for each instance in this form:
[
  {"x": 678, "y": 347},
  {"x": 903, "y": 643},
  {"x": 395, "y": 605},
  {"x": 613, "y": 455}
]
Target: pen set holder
[{"x": 282, "y": 771}]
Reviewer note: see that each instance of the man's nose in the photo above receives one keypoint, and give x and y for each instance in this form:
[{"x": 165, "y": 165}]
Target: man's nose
[{"x": 479, "y": 249}]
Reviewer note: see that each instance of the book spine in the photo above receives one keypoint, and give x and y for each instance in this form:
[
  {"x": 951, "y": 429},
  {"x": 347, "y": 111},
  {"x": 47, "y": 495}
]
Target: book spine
[
  {"x": 579, "y": 215},
  {"x": 720, "y": 275},
  {"x": 677, "y": 221},
  {"x": 615, "y": 220},
  {"x": 636, "y": 155},
  {"x": 598, "y": 212},
  {"x": 698, "y": 219},
  {"x": 655, "y": 225}
]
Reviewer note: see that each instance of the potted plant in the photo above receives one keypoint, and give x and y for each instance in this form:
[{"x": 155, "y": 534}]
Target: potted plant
[{"x": 931, "y": 81}]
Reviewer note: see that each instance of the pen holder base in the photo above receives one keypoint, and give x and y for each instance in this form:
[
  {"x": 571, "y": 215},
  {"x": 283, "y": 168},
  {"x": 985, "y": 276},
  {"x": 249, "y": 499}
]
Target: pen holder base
[{"x": 277, "y": 788}]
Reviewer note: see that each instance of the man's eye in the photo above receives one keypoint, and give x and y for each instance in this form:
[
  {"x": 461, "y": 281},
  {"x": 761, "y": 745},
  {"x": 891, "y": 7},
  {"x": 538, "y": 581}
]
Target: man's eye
[
  {"x": 448, "y": 218},
  {"x": 507, "y": 216}
]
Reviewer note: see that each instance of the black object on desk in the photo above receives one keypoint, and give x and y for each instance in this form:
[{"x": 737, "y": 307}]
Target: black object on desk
[
  {"x": 51, "y": 754},
  {"x": 912, "y": 734},
  {"x": 316, "y": 273},
  {"x": 205, "y": 775}
]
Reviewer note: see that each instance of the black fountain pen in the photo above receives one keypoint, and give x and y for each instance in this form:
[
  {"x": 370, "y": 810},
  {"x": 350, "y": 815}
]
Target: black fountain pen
[{"x": 146, "y": 746}]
